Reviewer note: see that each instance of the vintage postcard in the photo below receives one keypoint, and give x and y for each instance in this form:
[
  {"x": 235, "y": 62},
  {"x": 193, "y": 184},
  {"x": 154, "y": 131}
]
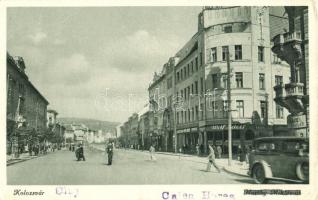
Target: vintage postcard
[{"x": 150, "y": 100}]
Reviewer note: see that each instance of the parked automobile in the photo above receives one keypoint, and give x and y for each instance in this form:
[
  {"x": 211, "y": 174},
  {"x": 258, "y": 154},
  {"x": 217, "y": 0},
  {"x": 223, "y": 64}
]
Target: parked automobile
[{"x": 280, "y": 158}]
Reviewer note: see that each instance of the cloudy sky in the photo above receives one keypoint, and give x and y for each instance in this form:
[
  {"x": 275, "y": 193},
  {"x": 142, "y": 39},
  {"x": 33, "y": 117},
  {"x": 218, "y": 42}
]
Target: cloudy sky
[{"x": 97, "y": 62}]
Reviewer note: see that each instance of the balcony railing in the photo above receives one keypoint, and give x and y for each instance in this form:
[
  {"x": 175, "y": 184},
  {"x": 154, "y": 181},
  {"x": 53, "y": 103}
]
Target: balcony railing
[
  {"x": 293, "y": 89},
  {"x": 286, "y": 37}
]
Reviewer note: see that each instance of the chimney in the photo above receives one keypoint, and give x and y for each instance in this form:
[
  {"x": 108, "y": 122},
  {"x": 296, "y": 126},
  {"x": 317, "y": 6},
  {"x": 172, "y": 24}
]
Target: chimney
[{"x": 20, "y": 63}]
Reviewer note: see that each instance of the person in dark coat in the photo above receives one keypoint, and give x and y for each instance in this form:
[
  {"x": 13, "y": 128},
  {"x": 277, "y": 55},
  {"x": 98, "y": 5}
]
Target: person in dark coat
[
  {"x": 110, "y": 152},
  {"x": 80, "y": 153}
]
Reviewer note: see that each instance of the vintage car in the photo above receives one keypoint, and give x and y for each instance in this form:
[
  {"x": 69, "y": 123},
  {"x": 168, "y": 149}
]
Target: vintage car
[{"x": 279, "y": 158}]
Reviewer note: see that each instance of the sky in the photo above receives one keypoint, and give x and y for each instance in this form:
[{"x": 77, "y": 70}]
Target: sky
[{"x": 97, "y": 63}]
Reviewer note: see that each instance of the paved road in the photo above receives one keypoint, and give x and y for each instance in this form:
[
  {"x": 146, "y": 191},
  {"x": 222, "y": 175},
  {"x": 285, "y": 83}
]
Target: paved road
[{"x": 129, "y": 167}]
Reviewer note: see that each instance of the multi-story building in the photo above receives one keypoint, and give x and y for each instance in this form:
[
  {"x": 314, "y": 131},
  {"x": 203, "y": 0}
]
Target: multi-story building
[
  {"x": 51, "y": 117},
  {"x": 293, "y": 47},
  {"x": 199, "y": 81},
  {"x": 25, "y": 105}
]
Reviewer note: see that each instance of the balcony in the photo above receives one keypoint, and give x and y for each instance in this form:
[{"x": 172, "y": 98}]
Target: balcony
[
  {"x": 291, "y": 96},
  {"x": 294, "y": 89},
  {"x": 287, "y": 46},
  {"x": 291, "y": 37}
]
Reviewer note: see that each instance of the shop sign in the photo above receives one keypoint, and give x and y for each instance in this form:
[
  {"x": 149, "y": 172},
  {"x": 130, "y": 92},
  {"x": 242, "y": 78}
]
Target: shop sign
[{"x": 223, "y": 127}]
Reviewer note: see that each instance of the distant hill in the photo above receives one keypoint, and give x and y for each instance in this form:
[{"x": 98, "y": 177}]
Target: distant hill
[{"x": 92, "y": 124}]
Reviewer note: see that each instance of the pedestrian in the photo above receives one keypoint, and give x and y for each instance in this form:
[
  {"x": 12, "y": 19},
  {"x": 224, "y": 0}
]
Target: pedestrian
[
  {"x": 152, "y": 150},
  {"x": 211, "y": 160},
  {"x": 80, "y": 153},
  {"x": 219, "y": 151},
  {"x": 197, "y": 147},
  {"x": 202, "y": 149},
  {"x": 110, "y": 152}
]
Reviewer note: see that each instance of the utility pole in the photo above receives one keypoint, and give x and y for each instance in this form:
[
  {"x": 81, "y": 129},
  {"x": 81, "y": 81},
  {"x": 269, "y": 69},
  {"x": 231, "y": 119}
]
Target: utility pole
[{"x": 229, "y": 108}]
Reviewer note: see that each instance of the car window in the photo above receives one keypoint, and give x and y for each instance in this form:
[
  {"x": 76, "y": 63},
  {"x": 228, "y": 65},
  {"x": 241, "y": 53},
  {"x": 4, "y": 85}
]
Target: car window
[
  {"x": 271, "y": 146},
  {"x": 295, "y": 146}
]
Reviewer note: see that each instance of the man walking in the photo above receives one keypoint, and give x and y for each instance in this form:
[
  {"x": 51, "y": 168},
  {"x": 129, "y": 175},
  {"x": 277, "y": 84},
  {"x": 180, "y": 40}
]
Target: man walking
[
  {"x": 110, "y": 151},
  {"x": 211, "y": 161}
]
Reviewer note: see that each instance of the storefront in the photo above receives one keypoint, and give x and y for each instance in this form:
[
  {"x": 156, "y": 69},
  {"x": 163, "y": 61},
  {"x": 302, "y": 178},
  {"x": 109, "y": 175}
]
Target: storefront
[{"x": 217, "y": 135}]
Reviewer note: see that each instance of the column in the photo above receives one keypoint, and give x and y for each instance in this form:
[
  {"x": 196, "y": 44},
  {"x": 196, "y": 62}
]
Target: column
[{"x": 205, "y": 142}]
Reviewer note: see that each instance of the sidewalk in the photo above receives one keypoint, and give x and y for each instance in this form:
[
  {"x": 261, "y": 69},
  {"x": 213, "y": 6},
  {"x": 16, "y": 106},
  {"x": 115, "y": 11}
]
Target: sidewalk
[
  {"x": 22, "y": 157},
  {"x": 236, "y": 168}
]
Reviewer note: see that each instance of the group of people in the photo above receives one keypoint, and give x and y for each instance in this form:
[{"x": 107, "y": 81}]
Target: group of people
[
  {"x": 79, "y": 152},
  {"x": 40, "y": 149}
]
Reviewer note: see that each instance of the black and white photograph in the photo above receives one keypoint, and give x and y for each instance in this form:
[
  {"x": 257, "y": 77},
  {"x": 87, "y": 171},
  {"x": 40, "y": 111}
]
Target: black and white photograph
[{"x": 157, "y": 95}]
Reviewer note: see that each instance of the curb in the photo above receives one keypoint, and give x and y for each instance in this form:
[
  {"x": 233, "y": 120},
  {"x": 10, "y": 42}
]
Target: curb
[
  {"x": 18, "y": 161},
  {"x": 23, "y": 160},
  {"x": 234, "y": 173}
]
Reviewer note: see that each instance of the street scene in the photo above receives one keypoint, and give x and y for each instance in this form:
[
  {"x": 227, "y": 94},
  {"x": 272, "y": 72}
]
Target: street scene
[{"x": 157, "y": 95}]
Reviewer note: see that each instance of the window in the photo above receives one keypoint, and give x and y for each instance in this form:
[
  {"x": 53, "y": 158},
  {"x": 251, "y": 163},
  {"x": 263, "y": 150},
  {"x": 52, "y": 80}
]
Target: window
[
  {"x": 278, "y": 80},
  {"x": 279, "y": 112},
  {"x": 263, "y": 109},
  {"x": 213, "y": 55},
  {"x": 189, "y": 115},
  {"x": 201, "y": 80},
  {"x": 192, "y": 89},
  {"x": 261, "y": 81},
  {"x": 192, "y": 69},
  {"x": 169, "y": 83},
  {"x": 196, "y": 87},
  {"x": 238, "y": 52},
  {"x": 228, "y": 29},
  {"x": 225, "y": 109},
  {"x": 224, "y": 80},
  {"x": 181, "y": 92},
  {"x": 181, "y": 74},
  {"x": 178, "y": 76},
  {"x": 185, "y": 93},
  {"x": 178, "y": 120},
  {"x": 192, "y": 64},
  {"x": 201, "y": 110},
  {"x": 225, "y": 50},
  {"x": 240, "y": 108},
  {"x": 196, "y": 112},
  {"x": 188, "y": 92},
  {"x": 185, "y": 72},
  {"x": 181, "y": 116},
  {"x": 214, "y": 80},
  {"x": 188, "y": 70},
  {"x": 239, "y": 79},
  {"x": 261, "y": 54},
  {"x": 192, "y": 114},
  {"x": 196, "y": 64},
  {"x": 201, "y": 59}
]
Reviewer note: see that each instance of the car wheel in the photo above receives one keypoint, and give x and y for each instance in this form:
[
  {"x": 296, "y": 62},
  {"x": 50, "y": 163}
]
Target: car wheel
[
  {"x": 259, "y": 174},
  {"x": 302, "y": 171}
]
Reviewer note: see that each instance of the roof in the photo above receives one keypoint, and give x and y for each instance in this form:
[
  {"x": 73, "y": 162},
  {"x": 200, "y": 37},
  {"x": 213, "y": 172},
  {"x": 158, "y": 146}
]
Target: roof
[
  {"x": 14, "y": 65},
  {"x": 52, "y": 111}
]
